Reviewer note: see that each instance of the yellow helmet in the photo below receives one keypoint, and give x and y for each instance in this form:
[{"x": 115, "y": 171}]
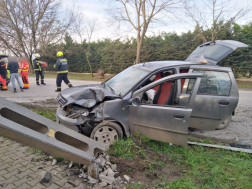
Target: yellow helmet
[
  {"x": 59, "y": 54},
  {"x": 37, "y": 55}
]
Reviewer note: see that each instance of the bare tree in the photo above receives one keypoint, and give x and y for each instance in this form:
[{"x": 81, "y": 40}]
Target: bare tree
[
  {"x": 91, "y": 26},
  {"x": 139, "y": 14},
  {"x": 206, "y": 15},
  {"x": 28, "y": 26},
  {"x": 79, "y": 27},
  {"x": 85, "y": 27}
]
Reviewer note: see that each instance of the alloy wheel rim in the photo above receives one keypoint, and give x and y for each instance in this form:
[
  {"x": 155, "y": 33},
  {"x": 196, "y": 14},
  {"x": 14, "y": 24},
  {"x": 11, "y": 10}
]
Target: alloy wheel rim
[{"x": 106, "y": 135}]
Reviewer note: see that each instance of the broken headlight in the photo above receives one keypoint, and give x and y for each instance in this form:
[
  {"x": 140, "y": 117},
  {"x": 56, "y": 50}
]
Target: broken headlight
[
  {"x": 90, "y": 103},
  {"x": 85, "y": 112}
]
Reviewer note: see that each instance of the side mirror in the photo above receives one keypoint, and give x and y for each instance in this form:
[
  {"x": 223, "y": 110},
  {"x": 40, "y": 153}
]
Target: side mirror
[{"x": 135, "y": 101}]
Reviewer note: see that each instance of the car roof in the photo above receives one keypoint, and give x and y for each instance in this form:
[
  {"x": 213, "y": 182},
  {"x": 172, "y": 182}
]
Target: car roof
[{"x": 155, "y": 65}]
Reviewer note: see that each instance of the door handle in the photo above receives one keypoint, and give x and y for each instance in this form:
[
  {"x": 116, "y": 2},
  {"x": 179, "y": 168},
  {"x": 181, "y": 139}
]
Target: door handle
[
  {"x": 223, "y": 102},
  {"x": 178, "y": 116}
]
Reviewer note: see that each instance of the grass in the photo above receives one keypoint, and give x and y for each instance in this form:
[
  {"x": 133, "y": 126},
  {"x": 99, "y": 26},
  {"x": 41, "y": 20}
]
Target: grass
[
  {"x": 50, "y": 114},
  {"x": 206, "y": 168},
  {"x": 35, "y": 151},
  {"x": 245, "y": 86},
  {"x": 72, "y": 75}
]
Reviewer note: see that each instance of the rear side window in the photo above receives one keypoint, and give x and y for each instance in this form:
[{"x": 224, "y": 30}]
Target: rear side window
[{"x": 212, "y": 83}]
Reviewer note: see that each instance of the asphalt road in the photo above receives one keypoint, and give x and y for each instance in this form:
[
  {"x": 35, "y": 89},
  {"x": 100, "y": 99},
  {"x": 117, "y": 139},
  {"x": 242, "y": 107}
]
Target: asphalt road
[{"x": 39, "y": 93}]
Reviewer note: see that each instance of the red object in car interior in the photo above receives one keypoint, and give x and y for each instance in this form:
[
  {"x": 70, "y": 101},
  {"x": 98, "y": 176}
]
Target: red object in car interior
[{"x": 183, "y": 80}]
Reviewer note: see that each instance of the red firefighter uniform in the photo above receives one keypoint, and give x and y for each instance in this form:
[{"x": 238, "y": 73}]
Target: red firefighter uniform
[
  {"x": 24, "y": 74},
  {"x": 3, "y": 72}
]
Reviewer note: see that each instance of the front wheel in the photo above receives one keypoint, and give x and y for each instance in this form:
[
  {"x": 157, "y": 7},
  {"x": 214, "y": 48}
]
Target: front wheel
[
  {"x": 107, "y": 133},
  {"x": 225, "y": 123}
]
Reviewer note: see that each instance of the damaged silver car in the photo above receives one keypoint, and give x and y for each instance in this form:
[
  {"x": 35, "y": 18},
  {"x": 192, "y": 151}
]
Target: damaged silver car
[{"x": 159, "y": 99}]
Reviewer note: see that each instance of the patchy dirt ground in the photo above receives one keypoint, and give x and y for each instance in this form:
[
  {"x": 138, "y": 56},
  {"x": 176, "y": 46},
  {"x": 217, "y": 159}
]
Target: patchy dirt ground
[
  {"x": 40, "y": 105},
  {"x": 148, "y": 167}
]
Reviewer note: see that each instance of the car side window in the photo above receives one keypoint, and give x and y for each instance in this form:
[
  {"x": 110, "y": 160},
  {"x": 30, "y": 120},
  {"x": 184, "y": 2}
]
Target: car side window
[
  {"x": 163, "y": 94},
  {"x": 212, "y": 83},
  {"x": 157, "y": 76}
]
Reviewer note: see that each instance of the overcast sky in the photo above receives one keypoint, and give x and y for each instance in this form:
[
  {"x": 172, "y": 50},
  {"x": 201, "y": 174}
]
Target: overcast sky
[{"x": 97, "y": 9}]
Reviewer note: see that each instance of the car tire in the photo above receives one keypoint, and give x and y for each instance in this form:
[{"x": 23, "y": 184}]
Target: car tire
[
  {"x": 107, "y": 133},
  {"x": 225, "y": 123}
]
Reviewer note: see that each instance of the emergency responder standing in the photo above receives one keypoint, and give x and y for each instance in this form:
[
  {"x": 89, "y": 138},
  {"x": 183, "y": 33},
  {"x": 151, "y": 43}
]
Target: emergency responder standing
[
  {"x": 39, "y": 70},
  {"x": 3, "y": 73},
  {"x": 24, "y": 71},
  {"x": 62, "y": 71}
]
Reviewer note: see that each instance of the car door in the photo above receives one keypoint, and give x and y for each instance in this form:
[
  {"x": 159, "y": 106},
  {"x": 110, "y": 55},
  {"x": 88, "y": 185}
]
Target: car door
[
  {"x": 214, "y": 51},
  {"x": 216, "y": 99},
  {"x": 162, "y": 122}
]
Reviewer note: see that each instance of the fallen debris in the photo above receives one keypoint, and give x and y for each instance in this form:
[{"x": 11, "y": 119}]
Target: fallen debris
[
  {"x": 127, "y": 178},
  {"x": 54, "y": 162},
  {"x": 114, "y": 167},
  {"x": 103, "y": 184},
  {"x": 70, "y": 165},
  {"x": 45, "y": 177},
  {"x": 92, "y": 180},
  {"x": 107, "y": 179}
]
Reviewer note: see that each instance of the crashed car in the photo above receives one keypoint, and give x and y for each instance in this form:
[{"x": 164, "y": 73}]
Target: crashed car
[{"x": 160, "y": 99}]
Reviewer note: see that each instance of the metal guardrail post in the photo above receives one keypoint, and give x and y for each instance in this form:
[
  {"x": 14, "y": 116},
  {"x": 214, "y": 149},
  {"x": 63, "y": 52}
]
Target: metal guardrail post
[{"x": 29, "y": 128}]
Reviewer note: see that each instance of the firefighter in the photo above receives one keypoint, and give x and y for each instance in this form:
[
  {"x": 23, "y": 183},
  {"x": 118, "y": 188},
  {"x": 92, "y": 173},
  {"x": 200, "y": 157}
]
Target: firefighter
[
  {"x": 24, "y": 74},
  {"x": 39, "y": 70},
  {"x": 3, "y": 73},
  {"x": 62, "y": 71}
]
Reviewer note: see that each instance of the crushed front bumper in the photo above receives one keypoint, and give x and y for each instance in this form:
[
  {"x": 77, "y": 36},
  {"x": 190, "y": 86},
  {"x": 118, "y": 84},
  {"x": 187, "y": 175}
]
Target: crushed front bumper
[{"x": 66, "y": 121}]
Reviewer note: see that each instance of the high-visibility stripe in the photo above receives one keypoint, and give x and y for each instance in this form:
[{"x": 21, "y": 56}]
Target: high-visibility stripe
[
  {"x": 36, "y": 70},
  {"x": 66, "y": 71},
  {"x": 25, "y": 70},
  {"x": 69, "y": 84},
  {"x": 63, "y": 60},
  {"x": 3, "y": 65},
  {"x": 58, "y": 87},
  {"x": 4, "y": 87}
]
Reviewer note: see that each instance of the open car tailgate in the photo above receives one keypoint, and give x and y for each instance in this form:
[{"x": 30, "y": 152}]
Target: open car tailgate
[{"x": 214, "y": 51}]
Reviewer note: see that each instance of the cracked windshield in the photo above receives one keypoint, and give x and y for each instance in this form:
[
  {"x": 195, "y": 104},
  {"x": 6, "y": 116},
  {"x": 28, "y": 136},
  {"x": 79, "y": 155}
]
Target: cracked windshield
[{"x": 118, "y": 84}]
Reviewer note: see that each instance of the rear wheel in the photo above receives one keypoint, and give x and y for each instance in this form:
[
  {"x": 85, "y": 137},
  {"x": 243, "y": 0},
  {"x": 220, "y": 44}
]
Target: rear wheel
[
  {"x": 225, "y": 123},
  {"x": 107, "y": 133}
]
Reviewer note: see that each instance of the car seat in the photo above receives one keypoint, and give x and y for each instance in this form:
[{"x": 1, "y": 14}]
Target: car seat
[
  {"x": 158, "y": 76},
  {"x": 163, "y": 93},
  {"x": 172, "y": 95}
]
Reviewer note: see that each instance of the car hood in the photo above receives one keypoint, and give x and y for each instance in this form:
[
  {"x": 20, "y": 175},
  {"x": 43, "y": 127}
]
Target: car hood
[{"x": 87, "y": 95}]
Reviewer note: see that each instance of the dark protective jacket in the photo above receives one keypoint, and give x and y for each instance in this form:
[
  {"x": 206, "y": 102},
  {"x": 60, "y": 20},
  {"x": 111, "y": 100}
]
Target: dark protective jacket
[
  {"x": 61, "y": 65},
  {"x": 37, "y": 65},
  {"x": 3, "y": 70},
  {"x": 13, "y": 67}
]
